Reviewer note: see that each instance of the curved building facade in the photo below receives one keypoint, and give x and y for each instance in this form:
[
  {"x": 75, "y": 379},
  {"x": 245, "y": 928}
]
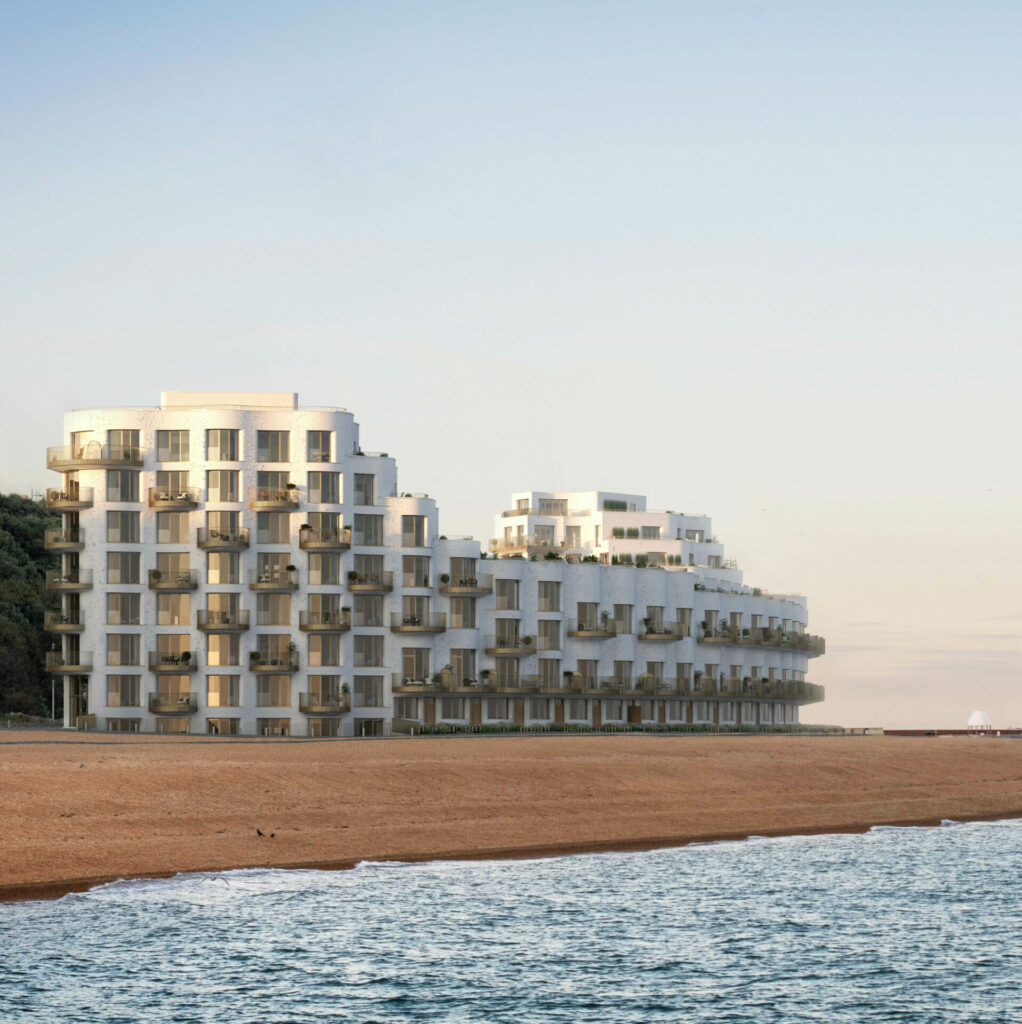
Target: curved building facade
[{"x": 234, "y": 564}]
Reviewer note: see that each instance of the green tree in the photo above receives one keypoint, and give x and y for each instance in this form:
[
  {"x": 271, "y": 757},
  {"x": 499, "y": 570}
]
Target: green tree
[{"x": 24, "y": 685}]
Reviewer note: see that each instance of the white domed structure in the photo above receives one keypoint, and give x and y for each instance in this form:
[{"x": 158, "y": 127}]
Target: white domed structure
[{"x": 979, "y": 720}]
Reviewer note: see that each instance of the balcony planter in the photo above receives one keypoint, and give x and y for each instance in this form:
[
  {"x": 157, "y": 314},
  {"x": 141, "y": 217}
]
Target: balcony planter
[
  {"x": 445, "y": 578},
  {"x": 352, "y": 576}
]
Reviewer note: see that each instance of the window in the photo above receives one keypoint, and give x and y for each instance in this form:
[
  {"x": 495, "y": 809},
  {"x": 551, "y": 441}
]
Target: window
[
  {"x": 222, "y": 522},
  {"x": 463, "y": 613},
  {"x": 507, "y": 595},
  {"x": 121, "y": 485},
  {"x": 122, "y": 528},
  {"x": 273, "y": 527},
  {"x": 273, "y": 692},
  {"x": 507, "y": 671},
  {"x": 273, "y": 648},
  {"x": 577, "y": 710},
  {"x": 368, "y": 692},
  {"x": 325, "y": 488},
  {"x": 171, "y": 527},
  {"x": 122, "y": 724},
  {"x": 272, "y": 446},
  {"x": 653, "y": 620},
  {"x": 273, "y": 726},
  {"x": 318, "y": 445},
  {"x": 589, "y": 670},
  {"x": 223, "y": 726},
  {"x": 548, "y": 636},
  {"x": 415, "y": 570},
  {"x": 623, "y": 618},
  {"x": 123, "y": 609},
  {"x": 413, "y": 531},
  {"x": 324, "y": 569},
  {"x": 650, "y": 532},
  {"x": 623, "y": 673},
  {"x": 369, "y": 568},
  {"x": 508, "y": 632},
  {"x": 123, "y": 691},
  {"x": 613, "y": 710},
  {"x": 539, "y": 708},
  {"x": 222, "y": 446},
  {"x": 368, "y": 530},
  {"x": 497, "y": 708},
  {"x": 172, "y": 564},
  {"x": 223, "y": 649},
  {"x": 415, "y": 663},
  {"x": 171, "y": 445},
  {"x": 365, "y": 490},
  {"x": 124, "y": 444},
  {"x": 223, "y": 692},
  {"x": 550, "y": 673},
  {"x": 223, "y": 567},
  {"x": 169, "y": 726},
  {"x": 273, "y": 609},
  {"x": 324, "y": 649},
  {"x": 452, "y": 707},
  {"x": 588, "y": 614},
  {"x": 173, "y": 609},
  {"x": 222, "y": 485},
  {"x": 463, "y": 569},
  {"x": 123, "y": 649},
  {"x": 122, "y": 567},
  {"x": 463, "y": 666},
  {"x": 549, "y": 596},
  {"x": 405, "y": 707},
  {"x": 368, "y": 651},
  {"x": 368, "y": 609},
  {"x": 325, "y": 689},
  {"x": 324, "y": 727},
  {"x": 171, "y": 483}
]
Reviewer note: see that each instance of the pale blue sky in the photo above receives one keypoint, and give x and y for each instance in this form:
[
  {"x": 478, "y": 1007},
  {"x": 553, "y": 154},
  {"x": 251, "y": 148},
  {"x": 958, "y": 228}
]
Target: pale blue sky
[{"x": 759, "y": 260}]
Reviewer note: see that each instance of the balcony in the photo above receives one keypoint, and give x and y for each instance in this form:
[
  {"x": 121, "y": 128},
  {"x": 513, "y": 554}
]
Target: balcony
[
  {"x": 58, "y": 579},
  {"x": 324, "y": 540},
  {"x": 92, "y": 455},
  {"x": 324, "y": 622},
  {"x": 431, "y": 623},
  {"x": 591, "y": 629},
  {"x": 180, "y": 497},
  {"x": 173, "y": 703},
  {"x": 173, "y": 582},
  {"x": 324, "y": 703},
  {"x": 222, "y": 622},
  {"x": 178, "y": 663},
  {"x": 60, "y": 622},
  {"x": 64, "y": 540},
  {"x": 764, "y": 636},
  {"x": 276, "y": 662},
  {"x": 222, "y": 540},
  {"x": 664, "y": 632},
  {"x": 81, "y": 663},
  {"x": 531, "y": 544},
  {"x": 69, "y": 500},
  {"x": 466, "y": 586},
  {"x": 278, "y": 580},
  {"x": 285, "y": 498},
  {"x": 513, "y": 646},
  {"x": 370, "y": 583}
]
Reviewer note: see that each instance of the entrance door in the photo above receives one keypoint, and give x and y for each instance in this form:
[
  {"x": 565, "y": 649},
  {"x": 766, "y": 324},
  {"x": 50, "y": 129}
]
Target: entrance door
[{"x": 634, "y": 714}]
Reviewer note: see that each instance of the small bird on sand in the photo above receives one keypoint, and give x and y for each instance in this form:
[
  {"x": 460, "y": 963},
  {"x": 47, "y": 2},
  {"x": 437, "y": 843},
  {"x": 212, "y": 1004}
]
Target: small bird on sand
[
  {"x": 273, "y": 835},
  {"x": 259, "y": 831}
]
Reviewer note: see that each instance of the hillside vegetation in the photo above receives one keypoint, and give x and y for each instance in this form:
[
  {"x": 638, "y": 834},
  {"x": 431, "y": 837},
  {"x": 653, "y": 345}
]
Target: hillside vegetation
[{"x": 24, "y": 685}]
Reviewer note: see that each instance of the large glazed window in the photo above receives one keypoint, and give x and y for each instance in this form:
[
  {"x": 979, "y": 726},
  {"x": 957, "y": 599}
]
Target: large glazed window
[
  {"x": 364, "y": 489},
  {"x": 121, "y": 485},
  {"x": 325, "y": 488},
  {"x": 413, "y": 531},
  {"x": 123, "y": 691},
  {"x": 123, "y": 649},
  {"x": 507, "y": 595},
  {"x": 172, "y": 445},
  {"x": 318, "y": 442},
  {"x": 222, "y": 485},
  {"x": 223, "y": 691},
  {"x": 122, "y": 527},
  {"x": 368, "y": 651},
  {"x": 368, "y": 531},
  {"x": 123, "y": 609},
  {"x": 222, "y": 446},
  {"x": 272, "y": 446},
  {"x": 122, "y": 567}
]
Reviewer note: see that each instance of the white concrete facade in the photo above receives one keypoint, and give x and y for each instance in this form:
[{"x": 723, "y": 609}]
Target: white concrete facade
[{"x": 236, "y": 564}]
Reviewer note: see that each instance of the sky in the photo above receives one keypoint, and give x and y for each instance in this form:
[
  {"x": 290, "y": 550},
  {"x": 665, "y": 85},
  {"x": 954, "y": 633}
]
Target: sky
[{"x": 758, "y": 260}]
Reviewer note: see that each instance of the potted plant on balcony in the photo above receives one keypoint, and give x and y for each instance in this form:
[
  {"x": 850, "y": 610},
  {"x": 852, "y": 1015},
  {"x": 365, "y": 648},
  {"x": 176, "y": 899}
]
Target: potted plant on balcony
[
  {"x": 255, "y": 658},
  {"x": 290, "y": 568},
  {"x": 485, "y": 674},
  {"x": 445, "y": 578},
  {"x": 352, "y": 576},
  {"x": 186, "y": 657},
  {"x": 345, "y": 689},
  {"x": 156, "y": 575},
  {"x": 527, "y": 641},
  {"x": 292, "y": 487}
]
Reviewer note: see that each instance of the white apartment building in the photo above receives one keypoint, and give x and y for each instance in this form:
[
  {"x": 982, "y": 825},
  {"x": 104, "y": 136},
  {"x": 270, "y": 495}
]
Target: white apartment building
[{"x": 233, "y": 564}]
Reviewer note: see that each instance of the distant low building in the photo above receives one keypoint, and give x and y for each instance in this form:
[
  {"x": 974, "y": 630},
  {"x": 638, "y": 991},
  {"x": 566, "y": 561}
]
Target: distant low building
[
  {"x": 235, "y": 564},
  {"x": 978, "y": 721}
]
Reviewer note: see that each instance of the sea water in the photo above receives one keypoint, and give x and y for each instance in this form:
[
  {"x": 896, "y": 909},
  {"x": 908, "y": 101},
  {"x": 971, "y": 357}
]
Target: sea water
[{"x": 898, "y": 924}]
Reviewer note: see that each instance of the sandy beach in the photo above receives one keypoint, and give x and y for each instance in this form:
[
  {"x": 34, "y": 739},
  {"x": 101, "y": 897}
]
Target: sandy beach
[{"x": 84, "y": 809}]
